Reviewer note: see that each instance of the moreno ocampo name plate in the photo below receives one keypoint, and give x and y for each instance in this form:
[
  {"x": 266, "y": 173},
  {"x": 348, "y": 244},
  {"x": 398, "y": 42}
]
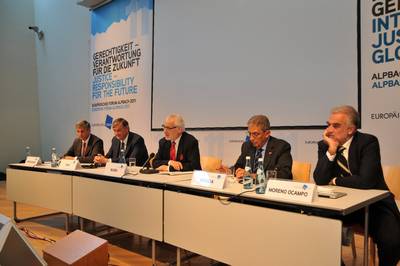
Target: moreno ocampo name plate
[{"x": 290, "y": 190}]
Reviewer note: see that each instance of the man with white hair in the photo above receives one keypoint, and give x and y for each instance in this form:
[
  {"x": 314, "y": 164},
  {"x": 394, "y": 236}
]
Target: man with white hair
[
  {"x": 349, "y": 158},
  {"x": 178, "y": 150}
]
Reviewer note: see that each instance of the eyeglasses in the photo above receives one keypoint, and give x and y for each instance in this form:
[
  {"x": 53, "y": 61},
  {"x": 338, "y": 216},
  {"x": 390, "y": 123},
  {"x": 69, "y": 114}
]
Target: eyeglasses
[
  {"x": 167, "y": 128},
  {"x": 254, "y": 134}
]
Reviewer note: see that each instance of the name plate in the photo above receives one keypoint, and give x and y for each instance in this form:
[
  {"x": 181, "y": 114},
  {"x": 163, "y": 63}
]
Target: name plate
[
  {"x": 289, "y": 190},
  {"x": 32, "y": 161},
  {"x": 69, "y": 164},
  {"x": 116, "y": 169},
  {"x": 206, "y": 179}
]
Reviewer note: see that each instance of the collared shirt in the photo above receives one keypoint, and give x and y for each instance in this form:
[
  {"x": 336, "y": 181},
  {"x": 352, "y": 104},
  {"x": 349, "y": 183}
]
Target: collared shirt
[
  {"x": 176, "y": 149},
  {"x": 259, "y": 156},
  {"x": 176, "y": 145},
  {"x": 85, "y": 141},
  {"x": 125, "y": 141},
  {"x": 264, "y": 148},
  {"x": 346, "y": 147}
]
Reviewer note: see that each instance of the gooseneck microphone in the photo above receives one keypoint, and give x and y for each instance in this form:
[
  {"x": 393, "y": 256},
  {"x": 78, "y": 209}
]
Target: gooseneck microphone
[
  {"x": 146, "y": 163},
  {"x": 146, "y": 169}
]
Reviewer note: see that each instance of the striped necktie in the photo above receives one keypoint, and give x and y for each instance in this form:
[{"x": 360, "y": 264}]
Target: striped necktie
[
  {"x": 257, "y": 156},
  {"x": 342, "y": 162}
]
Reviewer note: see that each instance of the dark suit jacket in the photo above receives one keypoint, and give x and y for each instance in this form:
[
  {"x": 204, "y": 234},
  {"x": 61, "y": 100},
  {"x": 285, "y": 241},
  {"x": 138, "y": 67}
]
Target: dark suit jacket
[
  {"x": 188, "y": 153},
  {"x": 365, "y": 165},
  {"x": 94, "y": 147},
  {"x": 277, "y": 157},
  {"x": 135, "y": 147}
]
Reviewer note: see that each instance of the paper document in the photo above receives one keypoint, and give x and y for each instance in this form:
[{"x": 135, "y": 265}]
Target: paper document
[{"x": 176, "y": 173}]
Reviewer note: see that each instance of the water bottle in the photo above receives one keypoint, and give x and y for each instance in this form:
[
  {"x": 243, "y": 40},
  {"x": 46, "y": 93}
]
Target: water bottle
[
  {"x": 247, "y": 180},
  {"x": 28, "y": 151},
  {"x": 122, "y": 156},
  {"x": 54, "y": 157},
  {"x": 260, "y": 179}
]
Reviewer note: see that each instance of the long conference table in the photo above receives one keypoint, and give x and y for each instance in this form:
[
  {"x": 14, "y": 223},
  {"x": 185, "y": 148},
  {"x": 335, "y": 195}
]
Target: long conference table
[{"x": 249, "y": 229}]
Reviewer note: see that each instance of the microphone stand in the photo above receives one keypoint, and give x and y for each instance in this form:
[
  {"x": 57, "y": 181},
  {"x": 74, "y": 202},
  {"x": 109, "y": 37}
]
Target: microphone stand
[{"x": 146, "y": 169}]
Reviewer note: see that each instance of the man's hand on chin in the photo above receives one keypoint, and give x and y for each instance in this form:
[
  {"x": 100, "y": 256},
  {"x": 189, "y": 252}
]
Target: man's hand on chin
[{"x": 331, "y": 142}]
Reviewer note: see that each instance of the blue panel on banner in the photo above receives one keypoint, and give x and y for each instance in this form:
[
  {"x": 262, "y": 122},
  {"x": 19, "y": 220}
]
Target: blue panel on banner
[
  {"x": 105, "y": 16},
  {"x": 108, "y": 121}
]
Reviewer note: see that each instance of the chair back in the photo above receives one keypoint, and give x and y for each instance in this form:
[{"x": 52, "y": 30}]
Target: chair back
[
  {"x": 392, "y": 178},
  {"x": 301, "y": 171},
  {"x": 210, "y": 163}
]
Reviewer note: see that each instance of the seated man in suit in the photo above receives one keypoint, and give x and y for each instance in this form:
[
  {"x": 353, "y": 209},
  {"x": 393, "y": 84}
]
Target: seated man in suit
[
  {"x": 132, "y": 143},
  {"x": 178, "y": 150},
  {"x": 276, "y": 152},
  {"x": 349, "y": 158},
  {"x": 86, "y": 146}
]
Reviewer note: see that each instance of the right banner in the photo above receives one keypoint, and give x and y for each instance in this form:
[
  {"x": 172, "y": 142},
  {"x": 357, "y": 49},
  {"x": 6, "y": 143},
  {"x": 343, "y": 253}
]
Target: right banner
[{"x": 380, "y": 74}]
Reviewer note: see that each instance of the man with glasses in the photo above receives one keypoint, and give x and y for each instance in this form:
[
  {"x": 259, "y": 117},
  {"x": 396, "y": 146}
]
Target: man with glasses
[
  {"x": 275, "y": 152},
  {"x": 178, "y": 150}
]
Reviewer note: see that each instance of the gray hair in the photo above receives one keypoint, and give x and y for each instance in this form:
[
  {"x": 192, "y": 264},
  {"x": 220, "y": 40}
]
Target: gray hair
[
  {"x": 353, "y": 118},
  {"x": 179, "y": 122},
  {"x": 120, "y": 121},
  {"x": 83, "y": 124},
  {"x": 260, "y": 121}
]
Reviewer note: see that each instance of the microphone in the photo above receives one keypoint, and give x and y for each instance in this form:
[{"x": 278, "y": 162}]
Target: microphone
[
  {"x": 148, "y": 160},
  {"x": 145, "y": 169}
]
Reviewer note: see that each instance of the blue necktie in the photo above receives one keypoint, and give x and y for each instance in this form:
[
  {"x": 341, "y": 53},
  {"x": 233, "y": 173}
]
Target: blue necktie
[{"x": 257, "y": 156}]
